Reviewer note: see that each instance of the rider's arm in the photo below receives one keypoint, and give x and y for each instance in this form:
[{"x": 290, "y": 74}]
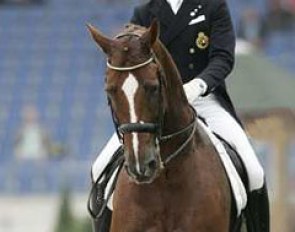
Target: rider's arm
[
  {"x": 222, "y": 46},
  {"x": 140, "y": 16}
]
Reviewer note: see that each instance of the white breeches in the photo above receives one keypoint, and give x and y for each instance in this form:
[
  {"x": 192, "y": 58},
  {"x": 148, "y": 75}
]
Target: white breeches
[
  {"x": 223, "y": 124},
  {"x": 220, "y": 122},
  {"x": 104, "y": 157}
]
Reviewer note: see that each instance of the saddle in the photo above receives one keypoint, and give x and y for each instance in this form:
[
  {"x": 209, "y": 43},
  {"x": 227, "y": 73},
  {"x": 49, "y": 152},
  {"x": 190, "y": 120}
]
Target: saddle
[
  {"x": 235, "y": 223},
  {"x": 235, "y": 158}
]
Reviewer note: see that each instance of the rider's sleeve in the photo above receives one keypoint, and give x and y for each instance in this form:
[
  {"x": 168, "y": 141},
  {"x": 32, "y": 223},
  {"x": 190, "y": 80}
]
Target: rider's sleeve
[
  {"x": 136, "y": 19},
  {"x": 222, "y": 46},
  {"x": 141, "y": 16}
]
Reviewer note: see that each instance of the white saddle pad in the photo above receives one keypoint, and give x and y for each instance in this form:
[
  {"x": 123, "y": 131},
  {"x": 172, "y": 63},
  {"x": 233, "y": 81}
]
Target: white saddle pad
[{"x": 239, "y": 190}]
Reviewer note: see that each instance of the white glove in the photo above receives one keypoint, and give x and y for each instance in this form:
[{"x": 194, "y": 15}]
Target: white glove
[{"x": 194, "y": 89}]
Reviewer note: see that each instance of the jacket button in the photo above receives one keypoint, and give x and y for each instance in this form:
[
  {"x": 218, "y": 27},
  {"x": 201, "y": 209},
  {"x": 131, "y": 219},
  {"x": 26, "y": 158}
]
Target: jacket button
[
  {"x": 191, "y": 66},
  {"x": 192, "y": 51}
]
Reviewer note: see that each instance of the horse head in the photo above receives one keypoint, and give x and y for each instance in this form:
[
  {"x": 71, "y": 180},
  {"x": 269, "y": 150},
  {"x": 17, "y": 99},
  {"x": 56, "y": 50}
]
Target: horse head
[{"x": 134, "y": 88}]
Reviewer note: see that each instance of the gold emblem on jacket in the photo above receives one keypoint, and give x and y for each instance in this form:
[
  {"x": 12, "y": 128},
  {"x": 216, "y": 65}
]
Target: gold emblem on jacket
[{"x": 202, "y": 40}]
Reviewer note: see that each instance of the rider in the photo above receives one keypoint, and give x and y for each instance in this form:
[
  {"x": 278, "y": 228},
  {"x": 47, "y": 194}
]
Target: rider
[{"x": 200, "y": 37}]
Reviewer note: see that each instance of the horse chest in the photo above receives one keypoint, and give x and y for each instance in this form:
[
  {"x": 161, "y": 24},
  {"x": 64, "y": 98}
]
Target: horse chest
[
  {"x": 154, "y": 226},
  {"x": 154, "y": 219}
]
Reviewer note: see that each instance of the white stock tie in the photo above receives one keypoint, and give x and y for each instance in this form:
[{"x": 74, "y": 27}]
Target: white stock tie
[{"x": 175, "y": 5}]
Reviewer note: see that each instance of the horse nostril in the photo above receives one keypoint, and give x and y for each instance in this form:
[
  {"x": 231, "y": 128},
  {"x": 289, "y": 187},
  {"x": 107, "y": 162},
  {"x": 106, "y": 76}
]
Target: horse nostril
[{"x": 152, "y": 165}]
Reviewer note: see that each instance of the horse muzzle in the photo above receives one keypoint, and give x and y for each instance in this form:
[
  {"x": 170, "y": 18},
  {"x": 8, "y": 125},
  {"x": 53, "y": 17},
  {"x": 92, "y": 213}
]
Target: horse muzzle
[{"x": 145, "y": 170}]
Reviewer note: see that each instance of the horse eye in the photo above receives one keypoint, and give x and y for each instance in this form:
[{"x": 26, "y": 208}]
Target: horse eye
[
  {"x": 111, "y": 89},
  {"x": 151, "y": 89}
]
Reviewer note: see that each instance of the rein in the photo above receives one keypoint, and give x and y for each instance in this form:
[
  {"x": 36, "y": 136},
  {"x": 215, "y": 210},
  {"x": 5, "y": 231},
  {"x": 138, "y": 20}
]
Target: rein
[{"x": 192, "y": 126}]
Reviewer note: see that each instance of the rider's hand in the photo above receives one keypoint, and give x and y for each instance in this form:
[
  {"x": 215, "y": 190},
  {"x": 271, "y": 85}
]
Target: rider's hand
[{"x": 194, "y": 89}]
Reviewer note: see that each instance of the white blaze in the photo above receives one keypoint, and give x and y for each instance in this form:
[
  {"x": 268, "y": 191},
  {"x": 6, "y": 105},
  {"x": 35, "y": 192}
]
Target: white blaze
[{"x": 129, "y": 88}]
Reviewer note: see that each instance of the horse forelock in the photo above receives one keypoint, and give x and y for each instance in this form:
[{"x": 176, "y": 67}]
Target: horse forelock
[
  {"x": 135, "y": 53},
  {"x": 136, "y": 29},
  {"x": 128, "y": 48}
]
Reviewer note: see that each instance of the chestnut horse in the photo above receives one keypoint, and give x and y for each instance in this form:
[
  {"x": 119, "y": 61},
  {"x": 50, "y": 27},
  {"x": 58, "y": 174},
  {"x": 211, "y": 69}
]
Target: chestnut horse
[{"x": 174, "y": 180}]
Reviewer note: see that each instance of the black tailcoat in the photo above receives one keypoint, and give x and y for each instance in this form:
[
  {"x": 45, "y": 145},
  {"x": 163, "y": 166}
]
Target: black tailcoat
[{"x": 200, "y": 38}]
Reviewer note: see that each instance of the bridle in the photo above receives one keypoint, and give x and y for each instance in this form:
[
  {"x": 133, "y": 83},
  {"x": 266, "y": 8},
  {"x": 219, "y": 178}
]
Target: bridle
[
  {"x": 150, "y": 60},
  {"x": 154, "y": 128}
]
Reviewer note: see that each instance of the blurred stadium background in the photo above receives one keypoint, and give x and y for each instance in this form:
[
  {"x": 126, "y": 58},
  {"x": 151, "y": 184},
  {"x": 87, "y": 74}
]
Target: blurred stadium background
[{"x": 51, "y": 75}]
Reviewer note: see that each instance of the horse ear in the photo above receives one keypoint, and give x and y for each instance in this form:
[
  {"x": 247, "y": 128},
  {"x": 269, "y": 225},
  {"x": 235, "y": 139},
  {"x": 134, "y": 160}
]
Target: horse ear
[
  {"x": 103, "y": 42},
  {"x": 152, "y": 33}
]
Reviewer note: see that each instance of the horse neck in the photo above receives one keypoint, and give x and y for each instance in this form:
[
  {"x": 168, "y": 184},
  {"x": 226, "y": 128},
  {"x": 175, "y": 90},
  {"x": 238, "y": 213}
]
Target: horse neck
[{"x": 178, "y": 113}]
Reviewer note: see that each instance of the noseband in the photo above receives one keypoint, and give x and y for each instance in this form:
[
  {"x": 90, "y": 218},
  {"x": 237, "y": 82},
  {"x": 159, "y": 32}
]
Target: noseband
[{"x": 153, "y": 128}]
